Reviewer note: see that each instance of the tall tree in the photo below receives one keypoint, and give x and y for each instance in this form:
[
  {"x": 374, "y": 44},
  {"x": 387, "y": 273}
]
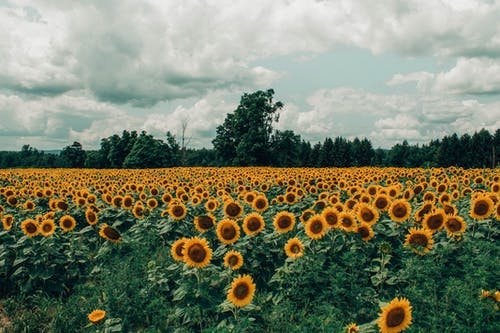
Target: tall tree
[
  {"x": 244, "y": 137},
  {"x": 285, "y": 148},
  {"x": 73, "y": 156}
]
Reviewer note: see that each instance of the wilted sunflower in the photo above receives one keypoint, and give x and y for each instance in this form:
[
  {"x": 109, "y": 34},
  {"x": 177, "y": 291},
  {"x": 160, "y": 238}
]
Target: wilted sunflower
[
  {"x": 294, "y": 248},
  {"x": 203, "y": 223},
  {"x": 260, "y": 203},
  {"x": 316, "y": 227},
  {"x": 352, "y": 328},
  {"x": 233, "y": 259},
  {"x": 91, "y": 216},
  {"x": 47, "y": 227},
  {"x": 30, "y": 227},
  {"x": 197, "y": 252},
  {"x": 110, "y": 233},
  {"x": 242, "y": 290},
  {"x": 400, "y": 210},
  {"x": 395, "y": 317},
  {"x": 253, "y": 223},
  {"x": 331, "y": 216},
  {"x": 228, "y": 231},
  {"x": 365, "y": 231},
  {"x": 347, "y": 221},
  {"x": 481, "y": 208},
  {"x": 283, "y": 222},
  {"x": 97, "y": 315},
  {"x": 232, "y": 209},
  {"x": 67, "y": 223},
  {"x": 177, "y": 210},
  {"x": 177, "y": 249},
  {"x": 7, "y": 221},
  {"x": 454, "y": 224},
  {"x": 434, "y": 220},
  {"x": 366, "y": 213},
  {"x": 419, "y": 241}
]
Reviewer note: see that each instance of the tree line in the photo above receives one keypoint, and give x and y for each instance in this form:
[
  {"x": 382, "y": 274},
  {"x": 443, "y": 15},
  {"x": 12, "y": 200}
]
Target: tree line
[{"x": 247, "y": 138}]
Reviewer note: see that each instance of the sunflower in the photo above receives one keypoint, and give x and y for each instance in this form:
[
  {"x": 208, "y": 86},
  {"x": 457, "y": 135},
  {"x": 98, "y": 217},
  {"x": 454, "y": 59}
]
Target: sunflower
[
  {"x": 294, "y": 248},
  {"x": 97, "y": 315},
  {"x": 497, "y": 211},
  {"x": 166, "y": 198},
  {"x": 197, "y": 252},
  {"x": 228, "y": 231},
  {"x": 7, "y": 221},
  {"x": 242, "y": 290},
  {"x": 91, "y": 216},
  {"x": 203, "y": 223},
  {"x": 426, "y": 208},
  {"x": 67, "y": 223},
  {"x": 29, "y": 205},
  {"x": 306, "y": 215},
  {"x": 290, "y": 198},
  {"x": 365, "y": 231},
  {"x": 117, "y": 201},
  {"x": 177, "y": 210},
  {"x": 211, "y": 205},
  {"x": 400, "y": 210},
  {"x": 233, "y": 260},
  {"x": 138, "y": 210},
  {"x": 347, "y": 221},
  {"x": 395, "y": 316},
  {"x": 434, "y": 220},
  {"x": 316, "y": 227},
  {"x": 110, "y": 233},
  {"x": 381, "y": 202},
  {"x": 177, "y": 249},
  {"x": 454, "y": 224},
  {"x": 481, "y": 208},
  {"x": 253, "y": 223},
  {"x": 260, "y": 203},
  {"x": 47, "y": 227},
  {"x": 152, "y": 203},
  {"x": 331, "y": 217},
  {"x": 232, "y": 209},
  {"x": 283, "y": 222},
  {"x": 30, "y": 227},
  {"x": 366, "y": 213},
  {"x": 419, "y": 241},
  {"x": 352, "y": 328},
  {"x": 12, "y": 200},
  {"x": 62, "y": 205}
]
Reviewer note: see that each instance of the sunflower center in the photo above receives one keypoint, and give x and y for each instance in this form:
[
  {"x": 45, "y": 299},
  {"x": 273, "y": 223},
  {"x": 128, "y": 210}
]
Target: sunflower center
[
  {"x": 367, "y": 215},
  {"x": 435, "y": 222},
  {"x": 111, "y": 233},
  {"x": 178, "y": 249},
  {"x": 316, "y": 227},
  {"x": 364, "y": 232},
  {"x": 241, "y": 291},
  {"x": 295, "y": 248},
  {"x": 205, "y": 222},
  {"x": 284, "y": 222},
  {"x": 31, "y": 228},
  {"x": 331, "y": 219},
  {"x": 419, "y": 239},
  {"x": 67, "y": 223},
  {"x": 453, "y": 225},
  {"x": 197, "y": 253},
  {"x": 91, "y": 217},
  {"x": 346, "y": 222},
  {"x": 233, "y": 260},
  {"x": 481, "y": 208},
  {"x": 228, "y": 231},
  {"x": 177, "y": 211},
  {"x": 381, "y": 203},
  {"x": 290, "y": 197},
  {"x": 399, "y": 210},
  {"x": 395, "y": 317},
  {"x": 47, "y": 227},
  {"x": 260, "y": 204},
  {"x": 253, "y": 224},
  {"x": 233, "y": 209}
]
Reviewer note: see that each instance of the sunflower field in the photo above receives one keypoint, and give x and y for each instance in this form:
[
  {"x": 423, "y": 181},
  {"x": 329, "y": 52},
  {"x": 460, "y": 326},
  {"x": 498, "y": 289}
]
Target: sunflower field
[{"x": 250, "y": 250}]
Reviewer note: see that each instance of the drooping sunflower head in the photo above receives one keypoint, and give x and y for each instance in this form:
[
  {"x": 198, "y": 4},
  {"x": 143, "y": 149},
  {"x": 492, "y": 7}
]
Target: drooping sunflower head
[
  {"x": 481, "y": 208},
  {"x": 283, "y": 222},
  {"x": 242, "y": 290},
  {"x": 434, "y": 220},
  {"x": 228, "y": 231},
  {"x": 316, "y": 227},
  {"x": 30, "y": 227},
  {"x": 294, "y": 248},
  {"x": 96, "y": 316},
  {"x": 203, "y": 223},
  {"x": 253, "y": 223},
  {"x": 177, "y": 249},
  {"x": 367, "y": 213},
  {"x": 419, "y": 241},
  {"x": 8, "y": 221},
  {"x": 396, "y": 316},
  {"x": 47, "y": 227},
  {"x": 109, "y": 233},
  {"x": 400, "y": 210},
  {"x": 365, "y": 231},
  {"x": 232, "y": 209},
  {"x": 67, "y": 223},
  {"x": 454, "y": 224},
  {"x": 197, "y": 252},
  {"x": 331, "y": 216},
  {"x": 233, "y": 259}
]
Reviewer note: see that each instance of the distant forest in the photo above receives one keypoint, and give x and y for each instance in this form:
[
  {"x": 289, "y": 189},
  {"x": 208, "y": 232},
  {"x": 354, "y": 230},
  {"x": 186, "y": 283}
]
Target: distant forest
[{"x": 247, "y": 138}]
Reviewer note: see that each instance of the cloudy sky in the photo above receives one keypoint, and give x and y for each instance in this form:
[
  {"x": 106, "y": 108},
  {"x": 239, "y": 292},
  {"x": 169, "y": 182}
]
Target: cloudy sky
[{"x": 387, "y": 70}]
